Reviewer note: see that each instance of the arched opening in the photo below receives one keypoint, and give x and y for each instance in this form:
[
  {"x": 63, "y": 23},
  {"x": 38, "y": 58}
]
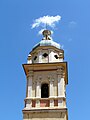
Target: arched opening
[{"x": 44, "y": 90}]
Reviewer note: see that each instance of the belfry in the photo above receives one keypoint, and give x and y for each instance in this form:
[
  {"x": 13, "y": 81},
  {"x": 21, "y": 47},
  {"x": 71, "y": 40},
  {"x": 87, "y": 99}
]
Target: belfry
[{"x": 46, "y": 73}]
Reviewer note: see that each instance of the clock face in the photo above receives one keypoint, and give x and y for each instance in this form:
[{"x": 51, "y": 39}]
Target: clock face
[{"x": 44, "y": 91}]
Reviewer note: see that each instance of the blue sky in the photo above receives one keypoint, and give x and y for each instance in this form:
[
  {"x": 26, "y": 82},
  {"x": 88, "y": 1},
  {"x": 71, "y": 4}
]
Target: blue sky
[{"x": 17, "y": 40}]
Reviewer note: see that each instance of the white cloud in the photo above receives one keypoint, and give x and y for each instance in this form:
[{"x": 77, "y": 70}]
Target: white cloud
[
  {"x": 52, "y": 32},
  {"x": 72, "y": 24},
  {"x": 40, "y": 32},
  {"x": 46, "y": 21}
]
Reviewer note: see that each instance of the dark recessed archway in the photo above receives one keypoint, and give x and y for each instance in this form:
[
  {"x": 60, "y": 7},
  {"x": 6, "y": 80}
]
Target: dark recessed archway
[{"x": 44, "y": 90}]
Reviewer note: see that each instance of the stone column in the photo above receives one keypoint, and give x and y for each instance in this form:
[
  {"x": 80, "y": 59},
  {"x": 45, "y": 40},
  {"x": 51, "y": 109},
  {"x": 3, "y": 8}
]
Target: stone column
[
  {"x": 29, "y": 83},
  {"x": 60, "y": 103},
  {"x": 51, "y": 88},
  {"x": 38, "y": 91},
  {"x": 51, "y": 92},
  {"x": 40, "y": 56},
  {"x": 52, "y": 102},
  {"x": 28, "y": 104},
  {"x": 38, "y": 87},
  {"x": 50, "y": 55},
  {"x": 38, "y": 103},
  {"x": 61, "y": 83},
  {"x": 29, "y": 89}
]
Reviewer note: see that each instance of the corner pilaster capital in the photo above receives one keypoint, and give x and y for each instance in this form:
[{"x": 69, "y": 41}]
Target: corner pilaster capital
[
  {"x": 30, "y": 74},
  {"x": 50, "y": 78},
  {"x": 60, "y": 71},
  {"x": 39, "y": 78}
]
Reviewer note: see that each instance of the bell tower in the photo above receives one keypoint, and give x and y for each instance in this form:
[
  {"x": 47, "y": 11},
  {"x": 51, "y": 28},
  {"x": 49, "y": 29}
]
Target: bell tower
[{"x": 46, "y": 74}]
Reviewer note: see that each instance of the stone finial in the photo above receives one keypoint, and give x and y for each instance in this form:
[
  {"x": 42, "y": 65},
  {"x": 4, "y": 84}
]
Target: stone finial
[{"x": 46, "y": 34}]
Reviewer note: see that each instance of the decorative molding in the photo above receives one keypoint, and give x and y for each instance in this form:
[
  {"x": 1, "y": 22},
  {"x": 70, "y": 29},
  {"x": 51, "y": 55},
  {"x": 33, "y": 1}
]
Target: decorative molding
[
  {"x": 30, "y": 74},
  {"x": 49, "y": 77},
  {"x": 39, "y": 78},
  {"x": 60, "y": 71}
]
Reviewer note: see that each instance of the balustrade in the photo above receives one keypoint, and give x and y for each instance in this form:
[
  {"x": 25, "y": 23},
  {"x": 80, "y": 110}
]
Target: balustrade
[{"x": 45, "y": 103}]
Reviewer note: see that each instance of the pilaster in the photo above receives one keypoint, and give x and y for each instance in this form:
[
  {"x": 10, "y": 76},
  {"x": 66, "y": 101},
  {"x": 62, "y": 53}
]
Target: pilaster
[
  {"x": 38, "y": 87},
  {"x": 50, "y": 55},
  {"x": 51, "y": 80},
  {"x": 61, "y": 85},
  {"x": 61, "y": 82},
  {"x": 40, "y": 56},
  {"x": 29, "y": 83}
]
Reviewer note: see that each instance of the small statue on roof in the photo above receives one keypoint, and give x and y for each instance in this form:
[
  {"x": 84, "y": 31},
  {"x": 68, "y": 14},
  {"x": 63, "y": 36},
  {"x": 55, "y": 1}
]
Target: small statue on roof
[{"x": 46, "y": 34}]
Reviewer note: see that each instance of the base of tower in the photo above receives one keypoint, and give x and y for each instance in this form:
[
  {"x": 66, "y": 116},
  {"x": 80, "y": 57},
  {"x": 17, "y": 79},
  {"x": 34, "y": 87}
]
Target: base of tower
[{"x": 50, "y": 114}]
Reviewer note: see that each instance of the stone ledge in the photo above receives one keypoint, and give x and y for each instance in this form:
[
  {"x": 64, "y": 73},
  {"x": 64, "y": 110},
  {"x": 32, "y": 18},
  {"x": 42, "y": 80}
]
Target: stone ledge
[
  {"x": 52, "y": 97},
  {"x": 45, "y": 110}
]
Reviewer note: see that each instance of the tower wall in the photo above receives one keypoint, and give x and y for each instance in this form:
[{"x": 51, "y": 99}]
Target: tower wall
[
  {"x": 46, "y": 74},
  {"x": 46, "y": 115}
]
